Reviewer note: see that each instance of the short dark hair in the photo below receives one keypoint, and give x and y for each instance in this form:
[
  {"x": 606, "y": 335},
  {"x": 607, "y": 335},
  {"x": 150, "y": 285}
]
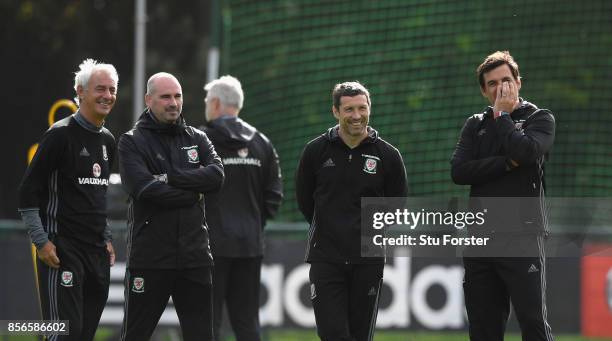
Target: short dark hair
[
  {"x": 350, "y": 89},
  {"x": 494, "y": 60}
]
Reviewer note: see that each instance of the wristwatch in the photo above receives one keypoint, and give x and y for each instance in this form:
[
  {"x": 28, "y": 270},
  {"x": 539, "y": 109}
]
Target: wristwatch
[{"x": 500, "y": 113}]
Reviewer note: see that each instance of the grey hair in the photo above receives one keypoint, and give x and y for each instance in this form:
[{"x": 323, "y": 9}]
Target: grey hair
[
  {"x": 228, "y": 90},
  {"x": 151, "y": 81},
  {"x": 86, "y": 69}
]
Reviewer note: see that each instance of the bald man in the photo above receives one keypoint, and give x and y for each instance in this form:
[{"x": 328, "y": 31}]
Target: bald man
[{"x": 166, "y": 167}]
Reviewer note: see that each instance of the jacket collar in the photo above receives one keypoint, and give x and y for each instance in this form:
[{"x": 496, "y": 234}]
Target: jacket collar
[
  {"x": 334, "y": 136},
  {"x": 148, "y": 121}
]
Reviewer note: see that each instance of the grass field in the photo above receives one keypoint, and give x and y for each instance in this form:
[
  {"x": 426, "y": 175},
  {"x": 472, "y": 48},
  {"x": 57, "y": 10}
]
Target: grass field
[{"x": 299, "y": 335}]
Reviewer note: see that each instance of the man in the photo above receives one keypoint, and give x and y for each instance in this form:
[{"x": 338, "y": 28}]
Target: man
[
  {"x": 336, "y": 169},
  {"x": 501, "y": 153},
  {"x": 251, "y": 194},
  {"x": 63, "y": 205},
  {"x": 166, "y": 166}
]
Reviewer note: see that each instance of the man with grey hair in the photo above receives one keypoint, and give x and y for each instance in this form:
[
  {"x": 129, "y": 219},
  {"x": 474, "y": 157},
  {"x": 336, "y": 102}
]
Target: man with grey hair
[
  {"x": 237, "y": 214},
  {"x": 166, "y": 168},
  {"x": 227, "y": 92},
  {"x": 63, "y": 205}
]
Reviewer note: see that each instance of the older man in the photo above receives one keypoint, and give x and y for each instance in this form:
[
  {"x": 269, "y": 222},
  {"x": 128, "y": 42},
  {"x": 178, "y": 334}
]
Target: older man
[
  {"x": 63, "y": 203},
  {"x": 251, "y": 194}
]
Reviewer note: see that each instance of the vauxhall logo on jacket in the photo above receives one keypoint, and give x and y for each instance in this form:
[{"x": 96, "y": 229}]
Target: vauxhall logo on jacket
[
  {"x": 96, "y": 169},
  {"x": 95, "y": 180},
  {"x": 242, "y": 159}
]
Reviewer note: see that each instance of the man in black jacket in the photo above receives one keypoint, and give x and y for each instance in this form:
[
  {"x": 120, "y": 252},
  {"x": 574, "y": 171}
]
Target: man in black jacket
[
  {"x": 501, "y": 154},
  {"x": 63, "y": 204},
  {"x": 237, "y": 214},
  {"x": 336, "y": 170},
  {"x": 166, "y": 168}
]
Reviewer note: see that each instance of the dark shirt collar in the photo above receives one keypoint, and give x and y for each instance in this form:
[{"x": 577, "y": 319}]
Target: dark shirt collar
[{"x": 86, "y": 124}]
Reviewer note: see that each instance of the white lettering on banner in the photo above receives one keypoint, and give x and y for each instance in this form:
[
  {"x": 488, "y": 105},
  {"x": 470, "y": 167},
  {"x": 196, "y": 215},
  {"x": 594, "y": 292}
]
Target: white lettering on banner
[
  {"x": 271, "y": 313},
  {"x": 397, "y": 278},
  {"x": 304, "y": 316},
  {"x": 283, "y": 305},
  {"x": 451, "y": 314}
]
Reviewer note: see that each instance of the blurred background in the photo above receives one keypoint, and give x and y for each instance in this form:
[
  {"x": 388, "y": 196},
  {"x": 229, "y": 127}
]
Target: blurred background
[{"x": 418, "y": 59}]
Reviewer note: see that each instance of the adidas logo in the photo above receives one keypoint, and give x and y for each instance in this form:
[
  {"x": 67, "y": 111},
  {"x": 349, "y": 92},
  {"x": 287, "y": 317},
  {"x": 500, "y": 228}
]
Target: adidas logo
[
  {"x": 328, "y": 163},
  {"x": 84, "y": 152},
  {"x": 372, "y": 292},
  {"x": 532, "y": 268}
]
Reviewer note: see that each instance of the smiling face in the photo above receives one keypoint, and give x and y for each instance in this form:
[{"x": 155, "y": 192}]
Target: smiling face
[
  {"x": 165, "y": 99},
  {"x": 353, "y": 115},
  {"x": 98, "y": 98}
]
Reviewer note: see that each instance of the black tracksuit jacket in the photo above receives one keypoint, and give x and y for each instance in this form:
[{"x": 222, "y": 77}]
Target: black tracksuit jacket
[
  {"x": 482, "y": 159},
  {"x": 330, "y": 182},
  {"x": 67, "y": 181},
  {"x": 252, "y": 191},
  {"x": 167, "y": 227}
]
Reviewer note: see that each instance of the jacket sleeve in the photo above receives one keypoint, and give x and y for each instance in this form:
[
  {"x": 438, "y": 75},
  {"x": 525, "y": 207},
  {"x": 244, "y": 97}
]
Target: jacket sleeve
[
  {"x": 139, "y": 182},
  {"x": 208, "y": 178},
  {"x": 305, "y": 183},
  {"x": 35, "y": 181},
  {"x": 47, "y": 158},
  {"x": 273, "y": 184},
  {"x": 395, "y": 175},
  {"x": 465, "y": 170},
  {"x": 530, "y": 144}
]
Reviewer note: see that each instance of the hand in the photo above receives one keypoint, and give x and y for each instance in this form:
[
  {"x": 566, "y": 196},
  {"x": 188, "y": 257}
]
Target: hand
[
  {"x": 507, "y": 98},
  {"x": 48, "y": 255},
  {"x": 111, "y": 252}
]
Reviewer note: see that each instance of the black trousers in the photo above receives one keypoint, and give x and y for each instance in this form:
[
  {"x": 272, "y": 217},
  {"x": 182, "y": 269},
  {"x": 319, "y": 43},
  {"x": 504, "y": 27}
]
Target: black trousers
[
  {"x": 492, "y": 283},
  {"x": 146, "y": 295},
  {"x": 77, "y": 291},
  {"x": 236, "y": 282},
  {"x": 345, "y": 299}
]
